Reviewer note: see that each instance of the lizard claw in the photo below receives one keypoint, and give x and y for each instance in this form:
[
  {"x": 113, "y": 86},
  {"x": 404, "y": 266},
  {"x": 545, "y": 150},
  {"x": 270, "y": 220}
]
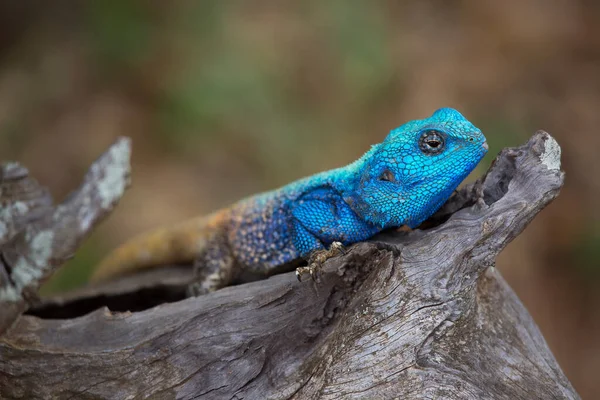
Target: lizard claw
[
  {"x": 316, "y": 261},
  {"x": 312, "y": 270},
  {"x": 320, "y": 256}
]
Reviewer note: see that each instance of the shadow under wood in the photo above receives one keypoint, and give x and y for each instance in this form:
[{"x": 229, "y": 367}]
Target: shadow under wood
[
  {"x": 137, "y": 292},
  {"x": 421, "y": 314}
]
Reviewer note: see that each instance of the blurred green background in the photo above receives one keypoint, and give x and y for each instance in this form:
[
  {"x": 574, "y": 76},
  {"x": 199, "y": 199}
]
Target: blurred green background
[{"x": 228, "y": 98}]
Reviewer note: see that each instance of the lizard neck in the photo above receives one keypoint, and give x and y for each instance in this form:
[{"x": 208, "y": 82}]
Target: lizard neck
[{"x": 347, "y": 179}]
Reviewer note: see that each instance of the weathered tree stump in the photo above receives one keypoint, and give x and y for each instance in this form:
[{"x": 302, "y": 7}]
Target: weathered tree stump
[{"x": 408, "y": 315}]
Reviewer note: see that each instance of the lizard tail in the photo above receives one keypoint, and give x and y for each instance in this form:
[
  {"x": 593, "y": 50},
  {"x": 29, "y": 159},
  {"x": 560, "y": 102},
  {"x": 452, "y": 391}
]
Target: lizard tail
[{"x": 175, "y": 244}]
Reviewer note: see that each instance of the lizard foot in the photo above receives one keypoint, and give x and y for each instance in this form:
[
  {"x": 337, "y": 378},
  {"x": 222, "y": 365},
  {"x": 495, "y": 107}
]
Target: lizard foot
[
  {"x": 316, "y": 261},
  {"x": 196, "y": 289}
]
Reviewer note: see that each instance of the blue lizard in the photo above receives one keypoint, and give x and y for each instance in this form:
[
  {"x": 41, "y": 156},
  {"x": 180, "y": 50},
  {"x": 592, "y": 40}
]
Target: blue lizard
[{"x": 401, "y": 181}]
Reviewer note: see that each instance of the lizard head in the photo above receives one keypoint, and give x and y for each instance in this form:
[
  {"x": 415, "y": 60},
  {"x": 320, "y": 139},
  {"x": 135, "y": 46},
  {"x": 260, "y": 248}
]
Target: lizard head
[{"x": 405, "y": 179}]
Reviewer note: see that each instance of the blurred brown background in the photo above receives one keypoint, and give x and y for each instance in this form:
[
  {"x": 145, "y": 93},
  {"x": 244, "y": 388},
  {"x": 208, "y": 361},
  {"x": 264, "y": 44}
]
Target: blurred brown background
[{"x": 225, "y": 99}]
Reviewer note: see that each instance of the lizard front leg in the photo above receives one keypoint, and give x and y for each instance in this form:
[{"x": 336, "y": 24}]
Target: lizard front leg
[
  {"x": 321, "y": 217},
  {"x": 316, "y": 260}
]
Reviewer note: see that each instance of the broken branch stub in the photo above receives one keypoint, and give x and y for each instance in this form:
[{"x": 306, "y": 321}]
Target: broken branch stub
[
  {"x": 36, "y": 238},
  {"x": 411, "y": 315}
]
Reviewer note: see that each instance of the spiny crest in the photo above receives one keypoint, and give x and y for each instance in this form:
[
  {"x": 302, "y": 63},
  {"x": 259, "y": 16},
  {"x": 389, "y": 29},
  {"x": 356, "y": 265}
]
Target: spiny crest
[{"x": 448, "y": 118}]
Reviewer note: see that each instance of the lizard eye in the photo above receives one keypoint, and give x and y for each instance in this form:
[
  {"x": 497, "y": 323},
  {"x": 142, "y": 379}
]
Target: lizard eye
[
  {"x": 432, "y": 142},
  {"x": 387, "y": 176}
]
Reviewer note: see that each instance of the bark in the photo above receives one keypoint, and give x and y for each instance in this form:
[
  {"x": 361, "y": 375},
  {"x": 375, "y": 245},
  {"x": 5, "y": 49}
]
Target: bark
[{"x": 409, "y": 315}]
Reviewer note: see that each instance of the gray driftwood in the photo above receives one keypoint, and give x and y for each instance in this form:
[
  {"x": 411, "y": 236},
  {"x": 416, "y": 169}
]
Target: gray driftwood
[{"x": 408, "y": 315}]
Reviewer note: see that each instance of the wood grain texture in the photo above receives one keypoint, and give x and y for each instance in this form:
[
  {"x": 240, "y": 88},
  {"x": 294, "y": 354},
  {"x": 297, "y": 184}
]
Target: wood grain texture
[{"x": 409, "y": 315}]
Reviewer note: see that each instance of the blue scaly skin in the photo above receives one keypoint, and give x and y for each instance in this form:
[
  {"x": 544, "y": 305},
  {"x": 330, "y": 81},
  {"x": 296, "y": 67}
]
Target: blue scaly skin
[{"x": 401, "y": 181}]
